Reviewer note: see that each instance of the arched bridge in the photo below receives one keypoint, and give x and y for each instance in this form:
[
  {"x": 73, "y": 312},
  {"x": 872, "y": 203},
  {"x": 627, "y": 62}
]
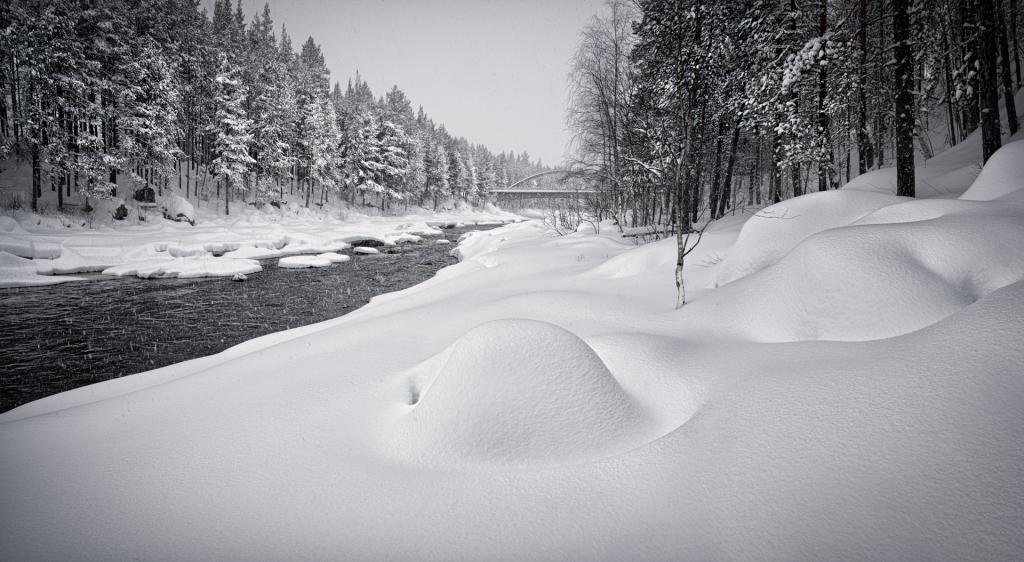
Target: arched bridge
[{"x": 517, "y": 195}]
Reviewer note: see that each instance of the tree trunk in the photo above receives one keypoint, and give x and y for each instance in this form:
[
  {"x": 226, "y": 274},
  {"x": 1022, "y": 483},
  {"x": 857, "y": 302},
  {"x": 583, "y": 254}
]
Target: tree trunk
[
  {"x": 904, "y": 72},
  {"x": 688, "y": 149},
  {"x": 948, "y": 78},
  {"x": 716, "y": 188},
  {"x": 1013, "y": 40},
  {"x": 865, "y": 157},
  {"x": 727, "y": 183},
  {"x": 970, "y": 116},
  {"x": 987, "y": 78},
  {"x": 1004, "y": 63},
  {"x": 37, "y": 178},
  {"x": 227, "y": 196},
  {"x": 824, "y": 167}
]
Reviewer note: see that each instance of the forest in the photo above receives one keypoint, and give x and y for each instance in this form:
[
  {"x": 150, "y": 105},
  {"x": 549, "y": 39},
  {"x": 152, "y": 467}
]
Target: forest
[
  {"x": 160, "y": 94},
  {"x": 697, "y": 107}
]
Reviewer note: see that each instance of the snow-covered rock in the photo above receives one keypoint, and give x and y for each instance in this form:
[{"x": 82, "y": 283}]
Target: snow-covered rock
[
  {"x": 365, "y": 250},
  {"x": 300, "y": 262},
  {"x": 185, "y": 268},
  {"x": 177, "y": 208},
  {"x": 334, "y": 257}
]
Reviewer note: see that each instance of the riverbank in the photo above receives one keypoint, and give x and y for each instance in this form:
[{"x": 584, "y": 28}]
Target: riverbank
[
  {"x": 51, "y": 249},
  {"x": 109, "y": 327}
]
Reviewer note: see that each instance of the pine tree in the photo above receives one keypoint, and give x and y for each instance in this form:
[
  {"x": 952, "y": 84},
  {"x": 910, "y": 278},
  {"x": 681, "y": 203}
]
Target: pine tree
[{"x": 232, "y": 132}]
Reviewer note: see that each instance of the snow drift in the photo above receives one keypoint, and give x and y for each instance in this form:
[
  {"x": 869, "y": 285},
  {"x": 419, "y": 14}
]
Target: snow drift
[{"x": 515, "y": 391}]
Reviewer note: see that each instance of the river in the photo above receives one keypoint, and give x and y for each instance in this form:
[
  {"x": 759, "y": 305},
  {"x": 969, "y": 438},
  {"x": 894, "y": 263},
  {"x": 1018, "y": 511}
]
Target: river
[{"x": 70, "y": 335}]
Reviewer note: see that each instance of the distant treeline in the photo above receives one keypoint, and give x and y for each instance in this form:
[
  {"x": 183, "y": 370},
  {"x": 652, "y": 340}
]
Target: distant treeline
[{"x": 160, "y": 92}]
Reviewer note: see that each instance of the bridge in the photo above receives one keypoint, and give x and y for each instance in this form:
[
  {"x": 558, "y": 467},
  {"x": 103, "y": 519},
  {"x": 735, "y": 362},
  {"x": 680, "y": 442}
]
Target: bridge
[{"x": 517, "y": 196}]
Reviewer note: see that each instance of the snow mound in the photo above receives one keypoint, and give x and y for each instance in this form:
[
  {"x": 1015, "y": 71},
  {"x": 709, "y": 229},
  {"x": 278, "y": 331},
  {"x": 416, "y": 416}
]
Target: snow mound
[
  {"x": 442, "y": 241},
  {"x": 365, "y": 250},
  {"x": 178, "y": 208},
  {"x": 514, "y": 391},
  {"x": 776, "y": 230},
  {"x": 878, "y": 278},
  {"x": 1003, "y": 174},
  {"x": 299, "y": 262}
]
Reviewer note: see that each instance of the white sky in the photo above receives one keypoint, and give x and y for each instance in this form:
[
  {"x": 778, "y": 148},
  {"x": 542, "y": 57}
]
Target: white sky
[{"x": 493, "y": 71}]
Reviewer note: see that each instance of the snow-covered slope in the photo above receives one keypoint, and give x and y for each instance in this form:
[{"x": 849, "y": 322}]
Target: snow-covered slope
[{"x": 845, "y": 384}]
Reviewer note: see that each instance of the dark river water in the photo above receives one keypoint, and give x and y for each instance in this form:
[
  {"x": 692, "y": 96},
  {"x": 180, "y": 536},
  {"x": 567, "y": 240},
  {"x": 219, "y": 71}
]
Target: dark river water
[{"x": 61, "y": 337}]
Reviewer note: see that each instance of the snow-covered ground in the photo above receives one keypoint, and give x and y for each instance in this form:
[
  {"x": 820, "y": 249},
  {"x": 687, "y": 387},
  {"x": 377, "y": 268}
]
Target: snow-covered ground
[
  {"x": 846, "y": 383},
  {"x": 216, "y": 246}
]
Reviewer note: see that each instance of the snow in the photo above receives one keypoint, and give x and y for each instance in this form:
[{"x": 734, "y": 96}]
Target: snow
[
  {"x": 365, "y": 250},
  {"x": 1001, "y": 176},
  {"x": 16, "y": 271},
  {"x": 177, "y": 207},
  {"x": 513, "y": 391},
  {"x": 843, "y": 384},
  {"x": 776, "y": 230},
  {"x": 185, "y": 268},
  {"x": 334, "y": 257},
  {"x": 300, "y": 262},
  {"x": 60, "y": 247}
]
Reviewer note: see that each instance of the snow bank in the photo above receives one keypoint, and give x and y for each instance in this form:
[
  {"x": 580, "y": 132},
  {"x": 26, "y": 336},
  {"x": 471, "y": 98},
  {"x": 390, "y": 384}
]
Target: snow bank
[
  {"x": 16, "y": 271},
  {"x": 10, "y": 226},
  {"x": 776, "y": 230},
  {"x": 29, "y": 248},
  {"x": 1004, "y": 174}
]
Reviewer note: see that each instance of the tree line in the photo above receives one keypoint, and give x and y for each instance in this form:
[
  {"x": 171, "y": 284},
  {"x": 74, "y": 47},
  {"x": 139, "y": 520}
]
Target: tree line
[
  {"x": 161, "y": 93},
  {"x": 684, "y": 109}
]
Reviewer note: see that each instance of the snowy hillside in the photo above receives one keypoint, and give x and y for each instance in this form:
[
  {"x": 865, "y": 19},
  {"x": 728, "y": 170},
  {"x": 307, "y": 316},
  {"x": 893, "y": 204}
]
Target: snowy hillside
[{"x": 845, "y": 384}]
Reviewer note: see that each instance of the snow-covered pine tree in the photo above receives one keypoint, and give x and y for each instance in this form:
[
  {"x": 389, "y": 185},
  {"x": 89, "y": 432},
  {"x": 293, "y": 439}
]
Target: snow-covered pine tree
[
  {"x": 437, "y": 173},
  {"x": 231, "y": 132}
]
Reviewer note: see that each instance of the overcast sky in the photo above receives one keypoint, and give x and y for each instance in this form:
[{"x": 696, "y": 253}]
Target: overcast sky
[{"x": 493, "y": 71}]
